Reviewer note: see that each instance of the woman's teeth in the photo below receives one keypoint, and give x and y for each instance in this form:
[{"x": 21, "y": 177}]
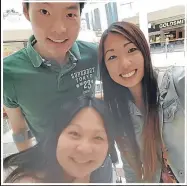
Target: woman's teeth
[{"x": 129, "y": 74}]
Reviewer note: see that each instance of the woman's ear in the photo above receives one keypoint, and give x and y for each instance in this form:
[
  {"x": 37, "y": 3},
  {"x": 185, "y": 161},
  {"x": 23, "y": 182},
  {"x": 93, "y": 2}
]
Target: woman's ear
[{"x": 26, "y": 11}]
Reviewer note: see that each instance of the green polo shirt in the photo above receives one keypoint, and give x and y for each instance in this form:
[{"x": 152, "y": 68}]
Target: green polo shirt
[{"x": 40, "y": 87}]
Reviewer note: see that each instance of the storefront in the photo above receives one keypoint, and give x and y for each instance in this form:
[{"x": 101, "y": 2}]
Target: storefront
[
  {"x": 14, "y": 40},
  {"x": 173, "y": 30}
]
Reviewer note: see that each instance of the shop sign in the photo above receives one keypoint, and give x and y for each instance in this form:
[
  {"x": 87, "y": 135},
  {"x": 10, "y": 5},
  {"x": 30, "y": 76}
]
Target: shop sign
[{"x": 172, "y": 23}]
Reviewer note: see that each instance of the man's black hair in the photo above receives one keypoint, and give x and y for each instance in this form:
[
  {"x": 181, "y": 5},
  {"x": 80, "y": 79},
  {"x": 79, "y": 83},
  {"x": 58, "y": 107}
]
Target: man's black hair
[{"x": 81, "y": 6}]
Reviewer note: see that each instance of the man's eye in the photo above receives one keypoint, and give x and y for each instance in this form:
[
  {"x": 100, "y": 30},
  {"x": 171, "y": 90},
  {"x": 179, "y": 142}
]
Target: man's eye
[
  {"x": 132, "y": 50},
  {"x": 112, "y": 57},
  {"x": 44, "y": 12},
  {"x": 71, "y": 15}
]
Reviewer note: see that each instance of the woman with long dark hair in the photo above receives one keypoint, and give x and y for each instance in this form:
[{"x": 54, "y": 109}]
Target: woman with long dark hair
[
  {"x": 148, "y": 106},
  {"x": 77, "y": 144}
]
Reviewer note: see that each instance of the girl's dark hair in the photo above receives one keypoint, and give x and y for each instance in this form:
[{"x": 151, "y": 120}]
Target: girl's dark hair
[
  {"x": 118, "y": 97},
  {"x": 42, "y": 157},
  {"x": 81, "y": 6}
]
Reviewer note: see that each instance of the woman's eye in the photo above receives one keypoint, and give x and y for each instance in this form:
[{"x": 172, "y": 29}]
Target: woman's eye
[
  {"x": 44, "y": 12},
  {"x": 132, "y": 50},
  {"x": 71, "y": 15},
  {"x": 112, "y": 57},
  {"x": 99, "y": 138},
  {"x": 74, "y": 134}
]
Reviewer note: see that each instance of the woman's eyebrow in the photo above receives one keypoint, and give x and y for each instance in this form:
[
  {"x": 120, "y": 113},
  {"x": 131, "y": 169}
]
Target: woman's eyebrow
[
  {"x": 109, "y": 50},
  {"x": 127, "y": 44},
  {"x": 112, "y": 50}
]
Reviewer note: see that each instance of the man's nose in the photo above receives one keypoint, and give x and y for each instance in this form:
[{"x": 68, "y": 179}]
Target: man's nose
[{"x": 59, "y": 26}]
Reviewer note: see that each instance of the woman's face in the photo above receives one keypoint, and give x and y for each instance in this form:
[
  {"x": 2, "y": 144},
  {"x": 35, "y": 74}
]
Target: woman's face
[
  {"x": 82, "y": 147},
  {"x": 124, "y": 62}
]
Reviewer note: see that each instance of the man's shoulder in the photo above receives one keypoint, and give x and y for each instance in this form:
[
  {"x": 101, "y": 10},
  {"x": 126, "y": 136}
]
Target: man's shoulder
[
  {"x": 15, "y": 60},
  {"x": 84, "y": 45},
  {"x": 19, "y": 55}
]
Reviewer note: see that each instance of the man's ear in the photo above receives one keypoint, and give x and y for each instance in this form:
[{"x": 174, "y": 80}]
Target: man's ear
[{"x": 26, "y": 11}]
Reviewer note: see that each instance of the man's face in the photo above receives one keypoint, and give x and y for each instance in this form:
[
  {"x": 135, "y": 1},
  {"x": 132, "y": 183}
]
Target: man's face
[{"x": 55, "y": 25}]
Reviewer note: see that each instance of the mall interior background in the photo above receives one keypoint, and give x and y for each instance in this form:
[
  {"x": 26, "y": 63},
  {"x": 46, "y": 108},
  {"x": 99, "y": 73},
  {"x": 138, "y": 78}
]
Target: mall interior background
[{"x": 163, "y": 22}]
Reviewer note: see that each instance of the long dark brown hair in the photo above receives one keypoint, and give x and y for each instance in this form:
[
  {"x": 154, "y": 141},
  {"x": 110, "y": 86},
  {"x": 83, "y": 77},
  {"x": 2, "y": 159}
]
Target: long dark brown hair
[{"x": 118, "y": 97}]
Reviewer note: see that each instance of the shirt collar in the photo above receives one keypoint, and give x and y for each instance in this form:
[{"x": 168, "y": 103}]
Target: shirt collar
[
  {"x": 134, "y": 109},
  {"x": 37, "y": 60}
]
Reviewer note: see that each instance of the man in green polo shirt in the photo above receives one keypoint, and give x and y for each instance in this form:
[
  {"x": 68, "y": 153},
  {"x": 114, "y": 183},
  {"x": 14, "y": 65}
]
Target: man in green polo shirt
[{"x": 51, "y": 70}]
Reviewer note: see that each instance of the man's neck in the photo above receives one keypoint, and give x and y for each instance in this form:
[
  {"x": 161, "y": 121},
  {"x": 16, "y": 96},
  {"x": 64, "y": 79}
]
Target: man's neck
[{"x": 61, "y": 59}]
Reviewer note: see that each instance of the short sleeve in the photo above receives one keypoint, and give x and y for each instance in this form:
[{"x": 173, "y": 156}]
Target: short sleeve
[{"x": 9, "y": 94}]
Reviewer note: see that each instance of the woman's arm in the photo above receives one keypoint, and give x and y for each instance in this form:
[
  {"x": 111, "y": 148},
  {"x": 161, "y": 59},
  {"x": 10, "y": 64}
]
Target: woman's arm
[{"x": 178, "y": 74}]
